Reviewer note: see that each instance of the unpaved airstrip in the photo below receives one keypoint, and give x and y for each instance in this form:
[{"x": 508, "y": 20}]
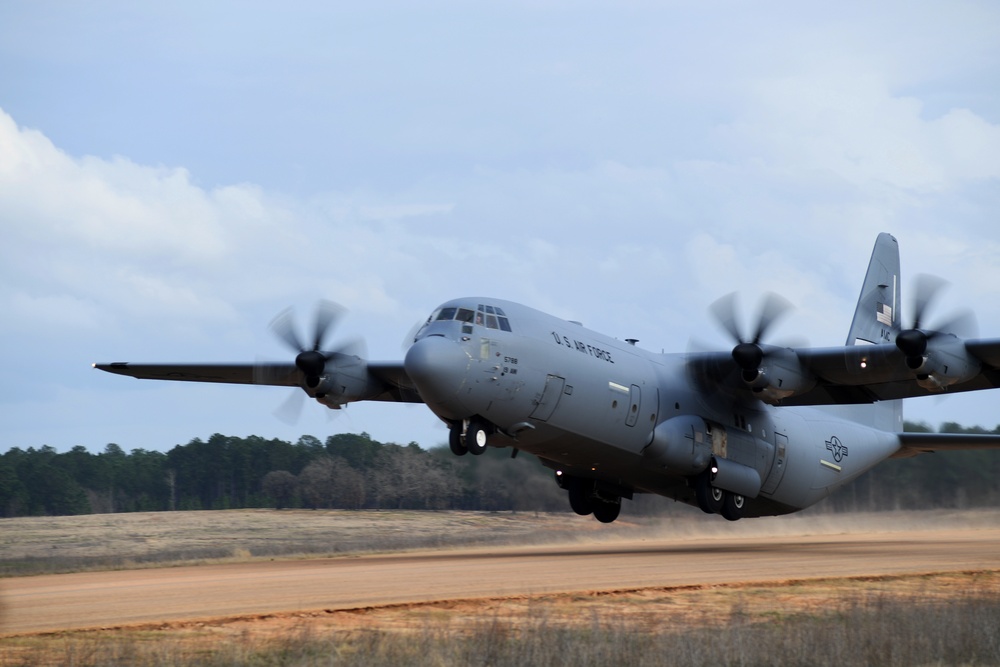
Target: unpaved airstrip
[{"x": 643, "y": 560}]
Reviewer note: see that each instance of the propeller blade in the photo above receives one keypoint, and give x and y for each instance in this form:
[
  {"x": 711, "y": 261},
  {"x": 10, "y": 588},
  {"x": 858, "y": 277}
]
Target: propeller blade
[
  {"x": 926, "y": 288},
  {"x": 354, "y": 347},
  {"x": 962, "y": 324},
  {"x": 328, "y": 314},
  {"x": 724, "y": 311},
  {"x": 290, "y": 409},
  {"x": 283, "y": 326},
  {"x": 773, "y": 309}
]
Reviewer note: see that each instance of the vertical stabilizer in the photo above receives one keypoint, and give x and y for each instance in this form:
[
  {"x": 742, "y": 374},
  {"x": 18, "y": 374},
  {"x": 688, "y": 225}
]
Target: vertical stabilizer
[{"x": 876, "y": 321}]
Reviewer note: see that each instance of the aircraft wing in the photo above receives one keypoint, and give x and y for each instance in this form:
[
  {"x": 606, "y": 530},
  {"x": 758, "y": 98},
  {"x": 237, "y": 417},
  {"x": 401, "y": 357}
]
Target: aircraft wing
[
  {"x": 850, "y": 374},
  {"x": 278, "y": 374},
  {"x": 869, "y": 373},
  {"x": 399, "y": 387},
  {"x": 396, "y": 383}
]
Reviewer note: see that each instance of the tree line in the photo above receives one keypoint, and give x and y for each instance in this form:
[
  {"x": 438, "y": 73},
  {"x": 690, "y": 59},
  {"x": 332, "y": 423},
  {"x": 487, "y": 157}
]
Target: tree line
[
  {"x": 350, "y": 471},
  {"x": 353, "y": 471}
]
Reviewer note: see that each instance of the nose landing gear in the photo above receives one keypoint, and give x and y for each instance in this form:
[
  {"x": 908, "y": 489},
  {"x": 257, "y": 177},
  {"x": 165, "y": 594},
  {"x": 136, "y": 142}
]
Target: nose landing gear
[{"x": 469, "y": 437}]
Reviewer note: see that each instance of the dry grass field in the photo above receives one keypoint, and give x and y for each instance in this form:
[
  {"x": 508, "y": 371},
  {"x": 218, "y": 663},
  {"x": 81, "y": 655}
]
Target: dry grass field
[
  {"x": 948, "y": 617},
  {"x": 36, "y": 545}
]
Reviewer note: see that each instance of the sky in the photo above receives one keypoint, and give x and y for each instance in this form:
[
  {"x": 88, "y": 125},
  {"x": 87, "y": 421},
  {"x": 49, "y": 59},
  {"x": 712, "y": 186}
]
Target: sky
[{"x": 173, "y": 175}]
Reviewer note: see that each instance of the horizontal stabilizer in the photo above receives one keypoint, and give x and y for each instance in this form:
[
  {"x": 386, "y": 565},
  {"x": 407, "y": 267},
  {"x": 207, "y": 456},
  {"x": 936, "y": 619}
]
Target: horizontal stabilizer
[{"x": 921, "y": 443}]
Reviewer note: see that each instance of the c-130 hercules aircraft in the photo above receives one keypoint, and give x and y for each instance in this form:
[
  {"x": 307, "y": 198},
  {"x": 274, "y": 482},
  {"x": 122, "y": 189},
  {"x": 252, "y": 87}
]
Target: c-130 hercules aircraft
[{"x": 758, "y": 430}]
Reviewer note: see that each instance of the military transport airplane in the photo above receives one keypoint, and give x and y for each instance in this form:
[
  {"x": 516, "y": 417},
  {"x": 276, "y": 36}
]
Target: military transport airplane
[{"x": 753, "y": 431}]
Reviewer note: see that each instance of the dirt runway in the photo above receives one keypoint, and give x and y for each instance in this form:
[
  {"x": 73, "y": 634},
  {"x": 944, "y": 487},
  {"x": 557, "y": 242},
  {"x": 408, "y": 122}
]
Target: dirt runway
[{"x": 52, "y": 603}]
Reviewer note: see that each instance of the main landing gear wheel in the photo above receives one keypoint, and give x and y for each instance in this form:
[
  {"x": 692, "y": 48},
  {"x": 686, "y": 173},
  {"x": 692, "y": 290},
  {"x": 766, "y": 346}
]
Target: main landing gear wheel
[
  {"x": 455, "y": 441},
  {"x": 710, "y": 499},
  {"x": 732, "y": 506},
  {"x": 606, "y": 512},
  {"x": 580, "y": 498},
  {"x": 476, "y": 437}
]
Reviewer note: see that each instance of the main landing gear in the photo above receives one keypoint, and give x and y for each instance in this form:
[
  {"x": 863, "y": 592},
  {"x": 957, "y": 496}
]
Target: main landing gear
[
  {"x": 585, "y": 498},
  {"x": 716, "y": 501},
  {"x": 473, "y": 439}
]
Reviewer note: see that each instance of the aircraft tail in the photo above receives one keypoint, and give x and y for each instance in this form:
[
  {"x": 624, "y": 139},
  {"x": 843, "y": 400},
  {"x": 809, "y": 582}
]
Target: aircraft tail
[{"x": 876, "y": 321}]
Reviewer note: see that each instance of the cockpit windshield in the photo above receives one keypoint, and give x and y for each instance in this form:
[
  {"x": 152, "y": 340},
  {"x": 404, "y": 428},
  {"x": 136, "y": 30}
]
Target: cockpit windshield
[{"x": 491, "y": 317}]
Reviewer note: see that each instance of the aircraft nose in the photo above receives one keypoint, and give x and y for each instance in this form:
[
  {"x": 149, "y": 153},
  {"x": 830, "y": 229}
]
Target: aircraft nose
[{"x": 438, "y": 367}]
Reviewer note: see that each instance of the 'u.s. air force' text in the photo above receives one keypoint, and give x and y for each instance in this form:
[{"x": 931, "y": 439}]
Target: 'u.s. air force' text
[{"x": 580, "y": 346}]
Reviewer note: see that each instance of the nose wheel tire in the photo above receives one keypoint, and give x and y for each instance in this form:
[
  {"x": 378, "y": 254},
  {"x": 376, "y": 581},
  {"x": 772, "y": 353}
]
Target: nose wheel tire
[
  {"x": 476, "y": 437},
  {"x": 455, "y": 442}
]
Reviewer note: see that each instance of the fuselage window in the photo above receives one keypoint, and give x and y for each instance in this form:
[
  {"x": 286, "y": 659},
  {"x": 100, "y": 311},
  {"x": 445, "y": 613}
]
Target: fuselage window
[{"x": 504, "y": 324}]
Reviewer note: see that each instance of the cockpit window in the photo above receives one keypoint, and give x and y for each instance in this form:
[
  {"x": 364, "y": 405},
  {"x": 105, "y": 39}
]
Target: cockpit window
[
  {"x": 446, "y": 314},
  {"x": 490, "y": 317}
]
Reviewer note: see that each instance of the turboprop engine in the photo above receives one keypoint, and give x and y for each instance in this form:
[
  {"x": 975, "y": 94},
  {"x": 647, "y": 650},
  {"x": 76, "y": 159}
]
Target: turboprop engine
[{"x": 937, "y": 357}]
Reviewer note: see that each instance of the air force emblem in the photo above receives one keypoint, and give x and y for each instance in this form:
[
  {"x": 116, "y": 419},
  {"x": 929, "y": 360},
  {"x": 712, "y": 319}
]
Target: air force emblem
[{"x": 837, "y": 448}]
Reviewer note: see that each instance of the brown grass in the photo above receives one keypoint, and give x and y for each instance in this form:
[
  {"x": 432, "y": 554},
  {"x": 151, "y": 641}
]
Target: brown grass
[
  {"x": 906, "y": 620},
  {"x": 38, "y": 545},
  {"x": 930, "y": 619}
]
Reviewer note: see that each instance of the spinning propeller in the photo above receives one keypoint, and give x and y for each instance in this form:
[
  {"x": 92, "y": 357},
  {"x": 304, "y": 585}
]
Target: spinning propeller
[
  {"x": 311, "y": 358},
  {"x": 748, "y": 353},
  {"x": 913, "y": 341}
]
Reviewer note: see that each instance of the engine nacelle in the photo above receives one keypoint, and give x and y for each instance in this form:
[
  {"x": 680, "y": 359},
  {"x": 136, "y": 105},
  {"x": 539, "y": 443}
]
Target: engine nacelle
[
  {"x": 682, "y": 444},
  {"x": 945, "y": 363},
  {"x": 345, "y": 380},
  {"x": 779, "y": 376}
]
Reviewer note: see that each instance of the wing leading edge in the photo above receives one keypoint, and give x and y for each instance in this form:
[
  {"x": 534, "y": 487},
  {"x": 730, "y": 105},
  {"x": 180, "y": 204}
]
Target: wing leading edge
[{"x": 396, "y": 384}]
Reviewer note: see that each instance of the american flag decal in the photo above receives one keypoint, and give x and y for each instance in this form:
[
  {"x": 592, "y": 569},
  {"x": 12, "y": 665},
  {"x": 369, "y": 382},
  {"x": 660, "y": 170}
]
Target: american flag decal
[{"x": 883, "y": 313}]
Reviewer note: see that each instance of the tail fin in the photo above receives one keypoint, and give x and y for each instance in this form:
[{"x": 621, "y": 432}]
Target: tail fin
[{"x": 876, "y": 321}]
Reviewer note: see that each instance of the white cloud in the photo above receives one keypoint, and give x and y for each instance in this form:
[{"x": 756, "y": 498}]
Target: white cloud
[
  {"x": 624, "y": 172},
  {"x": 851, "y": 126}
]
